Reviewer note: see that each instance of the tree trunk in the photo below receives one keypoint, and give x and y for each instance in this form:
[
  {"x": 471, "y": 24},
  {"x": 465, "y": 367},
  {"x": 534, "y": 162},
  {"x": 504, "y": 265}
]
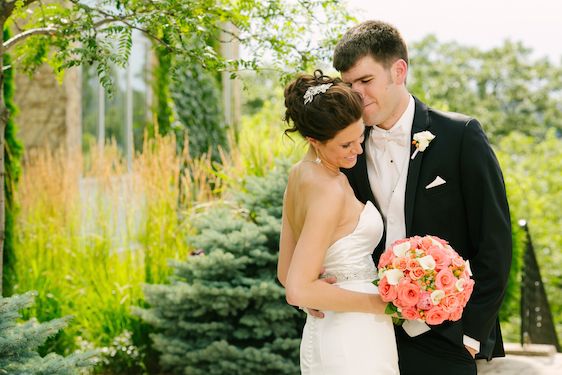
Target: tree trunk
[{"x": 3, "y": 121}]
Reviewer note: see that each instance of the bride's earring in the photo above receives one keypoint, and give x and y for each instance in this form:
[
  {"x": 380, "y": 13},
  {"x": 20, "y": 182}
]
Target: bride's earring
[{"x": 317, "y": 160}]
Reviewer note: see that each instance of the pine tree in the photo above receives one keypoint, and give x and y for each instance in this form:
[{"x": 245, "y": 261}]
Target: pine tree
[
  {"x": 225, "y": 313},
  {"x": 19, "y": 342}
]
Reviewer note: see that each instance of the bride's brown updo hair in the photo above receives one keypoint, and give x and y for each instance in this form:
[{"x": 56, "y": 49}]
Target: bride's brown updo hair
[{"x": 328, "y": 112}]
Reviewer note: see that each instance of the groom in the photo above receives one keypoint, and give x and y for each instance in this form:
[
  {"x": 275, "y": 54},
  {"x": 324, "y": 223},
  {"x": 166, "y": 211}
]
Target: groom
[{"x": 452, "y": 189}]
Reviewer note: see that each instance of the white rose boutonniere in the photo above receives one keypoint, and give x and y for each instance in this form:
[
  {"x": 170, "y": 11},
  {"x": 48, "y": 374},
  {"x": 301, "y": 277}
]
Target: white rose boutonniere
[{"x": 421, "y": 141}]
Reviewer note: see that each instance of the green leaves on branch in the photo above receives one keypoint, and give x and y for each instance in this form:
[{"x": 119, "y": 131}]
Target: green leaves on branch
[{"x": 283, "y": 35}]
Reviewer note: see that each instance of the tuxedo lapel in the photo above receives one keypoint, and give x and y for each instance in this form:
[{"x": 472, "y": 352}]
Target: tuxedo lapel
[{"x": 421, "y": 123}]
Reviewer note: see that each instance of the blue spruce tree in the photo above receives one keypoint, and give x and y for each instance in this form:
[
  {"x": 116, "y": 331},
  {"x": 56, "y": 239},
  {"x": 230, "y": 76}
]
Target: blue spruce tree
[
  {"x": 225, "y": 312},
  {"x": 19, "y": 343}
]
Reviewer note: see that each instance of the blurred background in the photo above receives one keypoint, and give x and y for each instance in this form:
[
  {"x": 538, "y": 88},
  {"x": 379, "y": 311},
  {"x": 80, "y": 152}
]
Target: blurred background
[{"x": 145, "y": 165}]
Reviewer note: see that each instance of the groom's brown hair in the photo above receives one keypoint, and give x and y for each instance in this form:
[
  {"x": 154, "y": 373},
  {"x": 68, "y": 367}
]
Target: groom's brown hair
[{"x": 378, "y": 39}]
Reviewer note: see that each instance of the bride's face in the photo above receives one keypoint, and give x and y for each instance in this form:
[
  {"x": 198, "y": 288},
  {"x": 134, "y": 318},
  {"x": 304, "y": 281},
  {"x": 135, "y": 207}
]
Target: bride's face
[{"x": 342, "y": 150}]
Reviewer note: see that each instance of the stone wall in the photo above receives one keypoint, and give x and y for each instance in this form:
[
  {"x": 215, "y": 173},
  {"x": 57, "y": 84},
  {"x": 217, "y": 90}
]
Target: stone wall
[{"x": 49, "y": 112}]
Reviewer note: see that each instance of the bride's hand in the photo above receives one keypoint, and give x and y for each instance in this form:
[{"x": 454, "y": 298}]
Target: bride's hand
[{"x": 318, "y": 313}]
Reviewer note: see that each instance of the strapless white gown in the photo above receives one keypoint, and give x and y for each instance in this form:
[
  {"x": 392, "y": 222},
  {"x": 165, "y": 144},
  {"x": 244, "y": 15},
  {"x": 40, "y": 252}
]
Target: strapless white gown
[{"x": 351, "y": 343}]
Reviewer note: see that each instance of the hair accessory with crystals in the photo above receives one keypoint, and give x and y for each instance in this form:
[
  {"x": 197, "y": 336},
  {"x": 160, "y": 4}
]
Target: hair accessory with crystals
[{"x": 315, "y": 90}]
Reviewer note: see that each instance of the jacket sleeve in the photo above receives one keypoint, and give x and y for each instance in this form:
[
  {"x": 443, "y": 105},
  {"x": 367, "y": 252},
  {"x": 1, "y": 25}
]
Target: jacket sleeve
[{"x": 489, "y": 230}]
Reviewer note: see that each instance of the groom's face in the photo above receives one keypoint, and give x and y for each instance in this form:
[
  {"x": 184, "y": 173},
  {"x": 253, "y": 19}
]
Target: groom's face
[{"x": 379, "y": 89}]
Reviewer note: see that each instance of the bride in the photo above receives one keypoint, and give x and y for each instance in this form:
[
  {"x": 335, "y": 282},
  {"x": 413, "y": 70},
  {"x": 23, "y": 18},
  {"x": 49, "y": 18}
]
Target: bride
[{"x": 325, "y": 228}]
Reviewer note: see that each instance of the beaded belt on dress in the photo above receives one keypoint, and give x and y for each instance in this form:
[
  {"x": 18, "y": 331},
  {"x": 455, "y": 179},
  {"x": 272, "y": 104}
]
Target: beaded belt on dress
[{"x": 364, "y": 273}]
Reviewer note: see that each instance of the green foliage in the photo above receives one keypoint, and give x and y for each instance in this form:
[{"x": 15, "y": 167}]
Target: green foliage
[
  {"x": 19, "y": 342},
  {"x": 100, "y": 32},
  {"x": 502, "y": 87},
  {"x": 512, "y": 299},
  {"x": 87, "y": 251},
  {"x": 225, "y": 313},
  {"x": 532, "y": 173},
  {"x": 13, "y": 151},
  {"x": 197, "y": 101}
]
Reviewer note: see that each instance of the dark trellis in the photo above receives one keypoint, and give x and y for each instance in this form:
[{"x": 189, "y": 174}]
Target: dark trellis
[{"x": 537, "y": 325}]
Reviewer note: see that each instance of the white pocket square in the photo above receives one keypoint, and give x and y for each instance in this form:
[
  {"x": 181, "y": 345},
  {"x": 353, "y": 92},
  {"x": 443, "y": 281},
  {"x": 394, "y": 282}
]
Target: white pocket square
[{"x": 438, "y": 181}]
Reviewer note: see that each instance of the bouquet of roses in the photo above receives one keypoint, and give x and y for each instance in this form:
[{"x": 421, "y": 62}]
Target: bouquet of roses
[{"x": 423, "y": 278}]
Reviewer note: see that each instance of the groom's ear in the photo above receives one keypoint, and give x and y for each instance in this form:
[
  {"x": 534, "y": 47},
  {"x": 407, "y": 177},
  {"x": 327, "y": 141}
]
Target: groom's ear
[{"x": 399, "y": 71}]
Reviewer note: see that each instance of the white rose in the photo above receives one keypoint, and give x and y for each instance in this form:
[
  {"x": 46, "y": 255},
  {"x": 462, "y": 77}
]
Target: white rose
[
  {"x": 393, "y": 276},
  {"x": 427, "y": 262},
  {"x": 436, "y": 243},
  {"x": 437, "y": 296},
  {"x": 400, "y": 249},
  {"x": 459, "y": 285}
]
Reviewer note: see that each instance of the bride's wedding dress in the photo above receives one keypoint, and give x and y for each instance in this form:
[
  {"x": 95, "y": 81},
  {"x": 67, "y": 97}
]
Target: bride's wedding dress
[{"x": 351, "y": 343}]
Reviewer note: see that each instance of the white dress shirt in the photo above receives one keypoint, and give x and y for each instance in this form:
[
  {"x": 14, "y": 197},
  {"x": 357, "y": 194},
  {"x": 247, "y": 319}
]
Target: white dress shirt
[{"x": 388, "y": 156}]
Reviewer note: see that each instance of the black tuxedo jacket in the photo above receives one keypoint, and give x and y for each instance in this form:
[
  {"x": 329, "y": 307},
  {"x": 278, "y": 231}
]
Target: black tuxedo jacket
[{"x": 470, "y": 211}]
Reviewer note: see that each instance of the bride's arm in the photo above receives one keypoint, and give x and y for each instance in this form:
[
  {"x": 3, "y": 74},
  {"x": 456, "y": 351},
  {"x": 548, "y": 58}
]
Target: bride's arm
[
  {"x": 303, "y": 288},
  {"x": 287, "y": 245}
]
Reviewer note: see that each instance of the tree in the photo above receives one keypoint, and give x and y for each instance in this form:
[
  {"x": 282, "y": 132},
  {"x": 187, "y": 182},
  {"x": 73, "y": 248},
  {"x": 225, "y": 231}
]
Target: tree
[
  {"x": 19, "y": 342},
  {"x": 13, "y": 151},
  {"x": 69, "y": 33},
  {"x": 503, "y": 87},
  {"x": 224, "y": 313}
]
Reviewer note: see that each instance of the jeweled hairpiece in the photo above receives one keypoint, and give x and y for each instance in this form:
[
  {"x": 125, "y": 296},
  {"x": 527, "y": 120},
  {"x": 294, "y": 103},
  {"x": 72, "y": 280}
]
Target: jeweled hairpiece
[{"x": 315, "y": 90}]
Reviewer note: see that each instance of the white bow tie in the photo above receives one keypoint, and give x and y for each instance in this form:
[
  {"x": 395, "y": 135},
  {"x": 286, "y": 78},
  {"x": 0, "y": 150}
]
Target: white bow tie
[{"x": 399, "y": 137}]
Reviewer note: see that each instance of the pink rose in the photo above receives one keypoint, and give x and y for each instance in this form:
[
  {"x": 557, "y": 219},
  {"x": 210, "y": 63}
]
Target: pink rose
[
  {"x": 442, "y": 259},
  {"x": 386, "y": 291},
  {"x": 425, "y": 301},
  {"x": 416, "y": 273},
  {"x": 408, "y": 294},
  {"x": 410, "y": 313},
  {"x": 436, "y": 316},
  {"x": 445, "y": 280},
  {"x": 386, "y": 258}
]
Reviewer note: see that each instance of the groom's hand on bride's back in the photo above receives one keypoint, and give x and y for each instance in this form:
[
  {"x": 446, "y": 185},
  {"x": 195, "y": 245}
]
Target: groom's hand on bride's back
[{"x": 329, "y": 280}]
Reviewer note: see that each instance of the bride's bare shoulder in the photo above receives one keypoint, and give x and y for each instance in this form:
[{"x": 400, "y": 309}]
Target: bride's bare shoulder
[{"x": 306, "y": 177}]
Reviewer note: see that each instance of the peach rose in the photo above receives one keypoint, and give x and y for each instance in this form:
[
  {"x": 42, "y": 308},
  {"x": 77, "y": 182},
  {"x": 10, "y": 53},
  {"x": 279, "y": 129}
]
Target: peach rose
[
  {"x": 400, "y": 263},
  {"x": 386, "y": 291},
  {"x": 451, "y": 302},
  {"x": 410, "y": 313},
  {"x": 441, "y": 257},
  {"x": 416, "y": 273},
  {"x": 436, "y": 316},
  {"x": 426, "y": 243},
  {"x": 455, "y": 314},
  {"x": 408, "y": 294},
  {"x": 386, "y": 258},
  {"x": 445, "y": 280},
  {"x": 458, "y": 261},
  {"x": 412, "y": 263}
]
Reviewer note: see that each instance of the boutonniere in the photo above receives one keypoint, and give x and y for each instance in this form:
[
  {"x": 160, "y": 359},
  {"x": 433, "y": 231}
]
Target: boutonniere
[{"x": 421, "y": 141}]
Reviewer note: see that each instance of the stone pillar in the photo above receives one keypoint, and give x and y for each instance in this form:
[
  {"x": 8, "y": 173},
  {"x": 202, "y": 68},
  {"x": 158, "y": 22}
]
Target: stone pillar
[{"x": 49, "y": 112}]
